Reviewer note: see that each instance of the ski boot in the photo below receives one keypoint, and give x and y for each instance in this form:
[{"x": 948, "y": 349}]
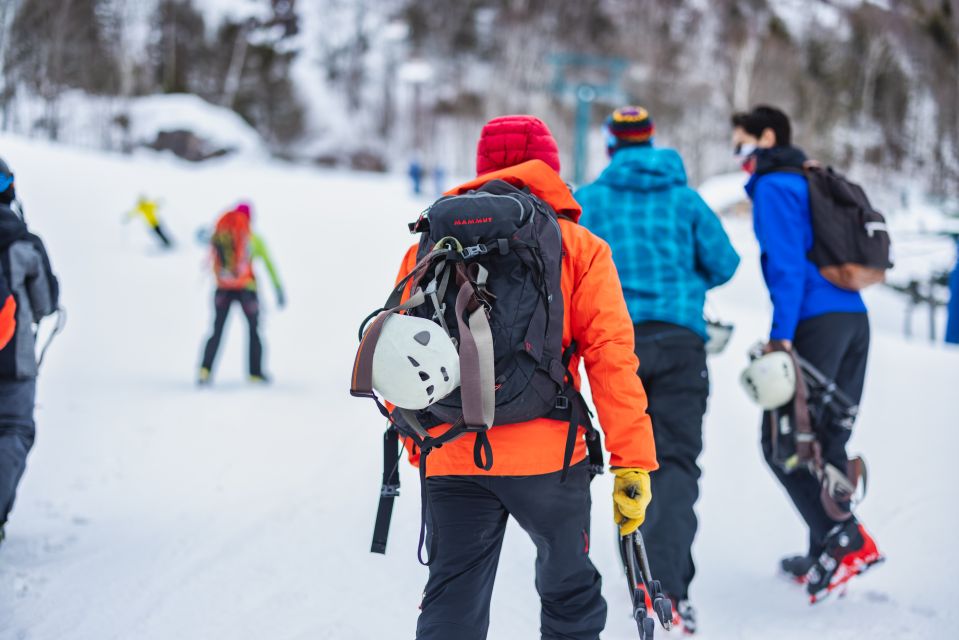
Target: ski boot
[
  {"x": 203, "y": 377},
  {"x": 795, "y": 568},
  {"x": 850, "y": 551},
  {"x": 259, "y": 379},
  {"x": 684, "y": 617}
]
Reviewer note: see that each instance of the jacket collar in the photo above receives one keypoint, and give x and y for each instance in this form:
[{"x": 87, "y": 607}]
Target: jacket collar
[
  {"x": 778, "y": 158},
  {"x": 12, "y": 228},
  {"x": 541, "y": 180}
]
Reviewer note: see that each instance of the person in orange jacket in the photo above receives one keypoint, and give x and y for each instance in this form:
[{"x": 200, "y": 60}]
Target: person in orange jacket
[{"x": 470, "y": 507}]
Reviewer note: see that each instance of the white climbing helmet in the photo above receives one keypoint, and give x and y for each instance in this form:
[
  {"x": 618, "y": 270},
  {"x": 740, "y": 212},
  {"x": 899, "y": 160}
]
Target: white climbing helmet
[
  {"x": 770, "y": 380},
  {"x": 415, "y": 363}
]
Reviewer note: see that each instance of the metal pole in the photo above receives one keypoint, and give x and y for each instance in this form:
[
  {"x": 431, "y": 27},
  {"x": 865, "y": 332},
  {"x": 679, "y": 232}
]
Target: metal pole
[
  {"x": 585, "y": 95},
  {"x": 932, "y": 311}
]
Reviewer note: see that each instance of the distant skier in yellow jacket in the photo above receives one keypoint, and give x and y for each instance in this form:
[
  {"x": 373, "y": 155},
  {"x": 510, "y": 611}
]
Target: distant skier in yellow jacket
[{"x": 147, "y": 209}]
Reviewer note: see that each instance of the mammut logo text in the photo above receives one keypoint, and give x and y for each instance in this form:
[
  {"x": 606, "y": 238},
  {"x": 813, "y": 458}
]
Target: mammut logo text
[{"x": 463, "y": 221}]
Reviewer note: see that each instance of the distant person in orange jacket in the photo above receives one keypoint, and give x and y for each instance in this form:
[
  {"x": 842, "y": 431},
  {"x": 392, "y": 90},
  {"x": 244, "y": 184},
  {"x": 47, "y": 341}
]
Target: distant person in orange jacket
[
  {"x": 235, "y": 248},
  {"x": 470, "y": 507}
]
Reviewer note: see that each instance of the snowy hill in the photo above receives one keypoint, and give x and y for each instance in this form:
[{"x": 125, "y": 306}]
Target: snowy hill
[{"x": 152, "y": 510}]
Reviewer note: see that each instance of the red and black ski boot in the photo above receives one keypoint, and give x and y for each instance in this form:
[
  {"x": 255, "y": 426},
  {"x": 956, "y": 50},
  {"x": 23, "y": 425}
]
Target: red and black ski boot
[
  {"x": 850, "y": 551},
  {"x": 795, "y": 568},
  {"x": 684, "y": 617}
]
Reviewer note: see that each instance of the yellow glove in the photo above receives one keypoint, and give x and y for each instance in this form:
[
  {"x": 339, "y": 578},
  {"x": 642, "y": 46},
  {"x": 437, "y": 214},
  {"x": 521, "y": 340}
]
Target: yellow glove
[{"x": 630, "y": 512}]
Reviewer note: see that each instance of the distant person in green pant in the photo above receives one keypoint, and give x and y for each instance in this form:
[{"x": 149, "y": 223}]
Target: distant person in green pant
[{"x": 235, "y": 247}]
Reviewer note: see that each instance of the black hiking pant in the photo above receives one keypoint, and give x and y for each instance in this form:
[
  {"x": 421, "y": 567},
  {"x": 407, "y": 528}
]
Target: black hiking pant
[
  {"x": 470, "y": 514},
  {"x": 837, "y": 344},
  {"x": 673, "y": 370},
  {"x": 162, "y": 235},
  {"x": 17, "y": 432},
  {"x": 250, "y": 304}
]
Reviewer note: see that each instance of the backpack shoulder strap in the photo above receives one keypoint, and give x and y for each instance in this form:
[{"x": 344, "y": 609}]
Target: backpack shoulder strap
[{"x": 571, "y": 408}]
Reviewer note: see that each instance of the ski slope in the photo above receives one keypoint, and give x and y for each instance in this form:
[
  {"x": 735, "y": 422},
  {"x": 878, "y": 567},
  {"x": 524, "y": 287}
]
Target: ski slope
[{"x": 154, "y": 510}]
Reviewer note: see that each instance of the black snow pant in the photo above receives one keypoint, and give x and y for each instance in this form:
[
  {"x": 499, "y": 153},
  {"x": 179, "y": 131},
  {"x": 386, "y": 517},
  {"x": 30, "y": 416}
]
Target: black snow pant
[
  {"x": 162, "y": 235},
  {"x": 249, "y": 303},
  {"x": 837, "y": 344},
  {"x": 470, "y": 513},
  {"x": 672, "y": 366},
  {"x": 16, "y": 437}
]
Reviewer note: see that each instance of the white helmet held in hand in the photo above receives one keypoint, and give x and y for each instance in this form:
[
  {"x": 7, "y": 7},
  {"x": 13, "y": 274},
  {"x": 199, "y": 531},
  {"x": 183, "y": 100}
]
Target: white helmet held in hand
[
  {"x": 770, "y": 380},
  {"x": 415, "y": 363}
]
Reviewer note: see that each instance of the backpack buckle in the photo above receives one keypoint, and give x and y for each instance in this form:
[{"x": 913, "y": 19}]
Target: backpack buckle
[
  {"x": 562, "y": 403},
  {"x": 389, "y": 490},
  {"x": 475, "y": 250}
]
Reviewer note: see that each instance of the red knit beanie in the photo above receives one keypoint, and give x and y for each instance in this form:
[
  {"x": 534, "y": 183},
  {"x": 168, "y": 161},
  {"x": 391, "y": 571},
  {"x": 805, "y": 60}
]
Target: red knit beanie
[{"x": 511, "y": 140}]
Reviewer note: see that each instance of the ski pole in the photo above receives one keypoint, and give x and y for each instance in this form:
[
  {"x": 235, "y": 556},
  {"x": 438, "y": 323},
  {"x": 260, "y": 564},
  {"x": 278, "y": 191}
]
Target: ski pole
[
  {"x": 637, "y": 594},
  {"x": 57, "y": 328},
  {"x": 661, "y": 604},
  {"x": 644, "y": 590}
]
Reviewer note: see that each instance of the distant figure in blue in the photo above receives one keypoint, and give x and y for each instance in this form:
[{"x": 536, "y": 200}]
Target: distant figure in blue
[
  {"x": 416, "y": 175},
  {"x": 439, "y": 180},
  {"x": 952, "y": 327}
]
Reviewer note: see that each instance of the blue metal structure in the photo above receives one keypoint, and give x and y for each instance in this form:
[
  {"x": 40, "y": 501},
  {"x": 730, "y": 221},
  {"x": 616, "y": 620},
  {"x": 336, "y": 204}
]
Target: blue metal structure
[{"x": 609, "y": 72}]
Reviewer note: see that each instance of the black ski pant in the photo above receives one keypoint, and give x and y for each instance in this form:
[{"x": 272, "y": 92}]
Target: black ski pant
[
  {"x": 672, "y": 366},
  {"x": 249, "y": 303},
  {"x": 162, "y": 235},
  {"x": 837, "y": 344},
  {"x": 17, "y": 432},
  {"x": 470, "y": 513}
]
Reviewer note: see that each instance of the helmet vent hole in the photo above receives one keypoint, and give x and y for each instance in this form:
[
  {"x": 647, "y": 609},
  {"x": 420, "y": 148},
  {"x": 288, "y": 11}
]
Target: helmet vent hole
[
  {"x": 424, "y": 376},
  {"x": 446, "y": 375},
  {"x": 413, "y": 361},
  {"x": 423, "y": 337},
  {"x": 429, "y": 390}
]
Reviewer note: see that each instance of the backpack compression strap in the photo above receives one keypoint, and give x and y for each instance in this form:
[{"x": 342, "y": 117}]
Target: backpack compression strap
[
  {"x": 478, "y": 384},
  {"x": 836, "y": 488},
  {"x": 805, "y": 437},
  {"x": 388, "y": 491}
]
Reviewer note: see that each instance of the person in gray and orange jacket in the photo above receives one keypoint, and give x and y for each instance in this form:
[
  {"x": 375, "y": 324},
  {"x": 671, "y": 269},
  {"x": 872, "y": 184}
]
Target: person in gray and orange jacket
[{"x": 34, "y": 294}]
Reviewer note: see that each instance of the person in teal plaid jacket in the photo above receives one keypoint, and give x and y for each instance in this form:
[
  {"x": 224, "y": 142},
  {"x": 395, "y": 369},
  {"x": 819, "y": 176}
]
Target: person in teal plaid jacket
[{"x": 669, "y": 248}]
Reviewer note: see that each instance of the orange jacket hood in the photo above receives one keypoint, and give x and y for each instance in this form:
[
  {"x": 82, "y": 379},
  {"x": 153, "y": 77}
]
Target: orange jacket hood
[{"x": 541, "y": 180}]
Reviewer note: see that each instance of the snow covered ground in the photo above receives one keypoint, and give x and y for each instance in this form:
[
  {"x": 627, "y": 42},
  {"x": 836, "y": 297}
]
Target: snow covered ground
[{"x": 153, "y": 510}]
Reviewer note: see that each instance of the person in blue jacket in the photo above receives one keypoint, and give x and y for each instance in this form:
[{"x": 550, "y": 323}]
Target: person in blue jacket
[
  {"x": 669, "y": 249},
  {"x": 827, "y": 325},
  {"x": 952, "y": 326}
]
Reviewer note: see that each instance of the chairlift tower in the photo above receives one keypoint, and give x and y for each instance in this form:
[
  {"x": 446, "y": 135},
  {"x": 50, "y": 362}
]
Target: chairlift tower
[{"x": 585, "y": 79}]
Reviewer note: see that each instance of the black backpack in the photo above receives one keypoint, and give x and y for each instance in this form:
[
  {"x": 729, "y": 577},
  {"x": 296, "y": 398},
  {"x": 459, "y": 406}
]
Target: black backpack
[
  {"x": 13, "y": 229},
  {"x": 515, "y": 237},
  {"x": 488, "y": 269},
  {"x": 851, "y": 244}
]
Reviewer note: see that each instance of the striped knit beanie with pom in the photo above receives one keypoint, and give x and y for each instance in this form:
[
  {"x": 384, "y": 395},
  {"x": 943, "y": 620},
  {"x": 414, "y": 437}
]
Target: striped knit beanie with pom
[{"x": 628, "y": 126}]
